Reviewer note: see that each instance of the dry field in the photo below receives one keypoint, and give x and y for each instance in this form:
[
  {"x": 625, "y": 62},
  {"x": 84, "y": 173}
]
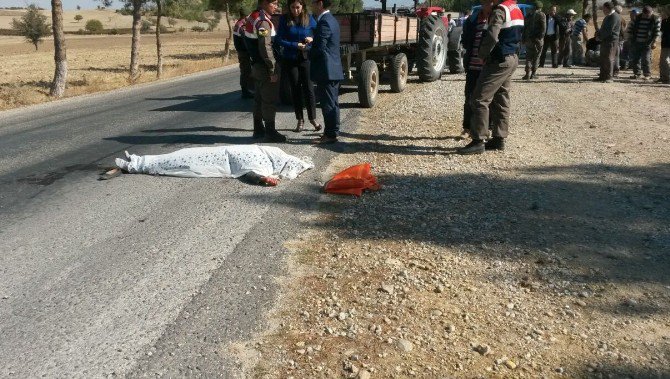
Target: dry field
[
  {"x": 99, "y": 63},
  {"x": 109, "y": 19}
]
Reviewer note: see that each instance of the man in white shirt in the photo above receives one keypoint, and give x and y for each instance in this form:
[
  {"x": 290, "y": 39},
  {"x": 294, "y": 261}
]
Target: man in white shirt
[{"x": 551, "y": 38}]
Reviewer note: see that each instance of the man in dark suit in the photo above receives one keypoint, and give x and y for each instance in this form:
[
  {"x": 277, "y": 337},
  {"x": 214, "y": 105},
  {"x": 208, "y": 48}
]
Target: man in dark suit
[{"x": 326, "y": 68}]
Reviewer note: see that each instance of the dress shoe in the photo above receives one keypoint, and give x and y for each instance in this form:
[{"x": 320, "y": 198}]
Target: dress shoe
[
  {"x": 274, "y": 136},
  {"x": 495, "y": 143},
  {"x": 324, "y": 140},
  {"x": 474, "y": 147}
]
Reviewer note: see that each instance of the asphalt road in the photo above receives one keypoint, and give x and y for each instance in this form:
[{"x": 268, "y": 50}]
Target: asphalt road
[{"x": 140, "y": 275}]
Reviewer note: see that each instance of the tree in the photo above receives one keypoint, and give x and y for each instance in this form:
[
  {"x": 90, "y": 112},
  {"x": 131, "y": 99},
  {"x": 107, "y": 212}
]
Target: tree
[
  {"x": 146, "y": 26},
  {"x": 77, "y": 17},
  {"x": 347, "y": 6},
  {"x": 159, "y": 45},
  {"x": 172, "y": 22},
  {"x": 94, "y": 26},
  {"x": 226, "y": 47},
  {"x": 213, "y": 21},
  {"x": 136, "y": 6},
  {"x": 32, "y": 25},
  {"x": 60, "y": 72}
]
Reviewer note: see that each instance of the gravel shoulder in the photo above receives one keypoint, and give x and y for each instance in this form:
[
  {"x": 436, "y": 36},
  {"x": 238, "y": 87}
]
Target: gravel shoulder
[{"x": 548, "y": 259}]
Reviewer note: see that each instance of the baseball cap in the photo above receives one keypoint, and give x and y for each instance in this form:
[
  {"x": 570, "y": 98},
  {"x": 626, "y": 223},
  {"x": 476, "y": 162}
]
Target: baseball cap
[{"x": 571, "y": 11}]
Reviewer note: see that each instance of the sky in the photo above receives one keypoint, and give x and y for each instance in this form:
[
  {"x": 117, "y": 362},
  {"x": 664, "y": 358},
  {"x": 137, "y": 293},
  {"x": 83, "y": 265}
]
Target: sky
[{"x": 92, "y": 4}]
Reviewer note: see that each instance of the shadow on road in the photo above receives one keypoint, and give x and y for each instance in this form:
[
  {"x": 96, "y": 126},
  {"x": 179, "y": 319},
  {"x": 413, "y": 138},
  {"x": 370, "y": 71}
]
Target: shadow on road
[
  {"x": 182, "y": 139},
  {"x": 226, "y": 102}
]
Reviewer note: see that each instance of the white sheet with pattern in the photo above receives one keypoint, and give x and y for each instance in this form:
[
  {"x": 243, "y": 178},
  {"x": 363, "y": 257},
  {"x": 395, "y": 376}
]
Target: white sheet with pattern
[{"x": 218, "y": 162}]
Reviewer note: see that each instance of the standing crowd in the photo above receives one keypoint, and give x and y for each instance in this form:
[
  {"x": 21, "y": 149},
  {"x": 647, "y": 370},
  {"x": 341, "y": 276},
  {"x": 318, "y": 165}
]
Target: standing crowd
[
  {"x": 492, "y": 39},
  {"x": 308, "y": 49},
  {"x": 309, "y": 52}
]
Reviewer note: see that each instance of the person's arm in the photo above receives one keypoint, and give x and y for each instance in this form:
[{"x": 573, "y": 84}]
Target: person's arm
[
  {"x": 320, "y": 43},
  {"x": 655, "y": 32},
  {"x": 541, "y": 27},
  {"x": 491, "y": 38},
  {"x": 283, "y": 33},
  {"x": 264, "y": 32}
]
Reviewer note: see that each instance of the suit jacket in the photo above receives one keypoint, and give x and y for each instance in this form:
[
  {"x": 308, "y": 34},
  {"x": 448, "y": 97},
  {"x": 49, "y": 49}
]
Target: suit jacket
[
  {"x": 325, "y": 52},
  {"x": 610, "y": 28}
]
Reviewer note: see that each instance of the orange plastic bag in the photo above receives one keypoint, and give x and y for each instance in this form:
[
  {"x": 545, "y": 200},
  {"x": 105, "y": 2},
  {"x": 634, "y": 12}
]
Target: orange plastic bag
[{"x": 353, "y": 181}]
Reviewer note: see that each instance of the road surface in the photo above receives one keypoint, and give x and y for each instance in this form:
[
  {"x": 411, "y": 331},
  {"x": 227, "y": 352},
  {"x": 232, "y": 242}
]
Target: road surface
[{"x": 139, "y": 275}]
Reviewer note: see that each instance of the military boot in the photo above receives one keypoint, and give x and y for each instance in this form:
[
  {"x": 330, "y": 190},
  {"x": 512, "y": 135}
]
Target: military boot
[
  {"x": 527, "y": 76},
  {"x": 271, "y": 134},
  {"x": 259, "y": 129}
]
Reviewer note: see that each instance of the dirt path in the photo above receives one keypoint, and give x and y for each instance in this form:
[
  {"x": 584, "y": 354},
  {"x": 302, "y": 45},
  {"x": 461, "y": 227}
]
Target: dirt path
[{"x": 548, "y": 259}]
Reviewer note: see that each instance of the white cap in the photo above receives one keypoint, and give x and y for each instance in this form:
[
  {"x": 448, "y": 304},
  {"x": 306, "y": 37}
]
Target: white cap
[{"x": 571, "y": 11}]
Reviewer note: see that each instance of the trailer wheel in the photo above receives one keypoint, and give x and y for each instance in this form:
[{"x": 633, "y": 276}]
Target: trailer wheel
[
  {"x": 432, "y": 49},
  {"x": 399, "y": 72},
  {"x": 368, "y": 83}
]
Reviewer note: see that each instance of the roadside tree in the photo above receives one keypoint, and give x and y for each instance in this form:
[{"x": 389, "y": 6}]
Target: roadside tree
[
  {"x": 60, "y": 73},
  {"x": 32, "y": 25},
  {"x": 78, "y": 17},
  {"x": 94, "y": 26},
  {"x": 159, "y": 44},
  {"x": 136, "y": 7}
]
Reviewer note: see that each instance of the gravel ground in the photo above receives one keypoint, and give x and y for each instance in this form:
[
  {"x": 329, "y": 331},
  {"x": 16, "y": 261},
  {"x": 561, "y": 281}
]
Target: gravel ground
[{"x": 549, "y": 259}]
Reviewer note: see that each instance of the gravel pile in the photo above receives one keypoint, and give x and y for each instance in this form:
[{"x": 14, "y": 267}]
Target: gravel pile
[{"x": 548, "y": 259}]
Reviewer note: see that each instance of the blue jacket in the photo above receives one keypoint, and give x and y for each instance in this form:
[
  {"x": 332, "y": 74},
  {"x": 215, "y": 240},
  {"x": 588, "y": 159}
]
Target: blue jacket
[
  {"x": 325, "y": 52},
  {"x": 289, "y": 36}
]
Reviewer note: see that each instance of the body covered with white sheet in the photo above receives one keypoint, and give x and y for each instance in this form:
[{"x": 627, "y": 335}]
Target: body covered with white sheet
[{"x": 218, "y": 162}]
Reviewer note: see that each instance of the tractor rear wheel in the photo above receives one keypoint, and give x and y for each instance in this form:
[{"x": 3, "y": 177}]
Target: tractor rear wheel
[
  {"x": 399, "y": 72},
  {"x": 368, "y": 83},
  {"x": 432, "y": 49},
  {"x": 454, "y": 50}
]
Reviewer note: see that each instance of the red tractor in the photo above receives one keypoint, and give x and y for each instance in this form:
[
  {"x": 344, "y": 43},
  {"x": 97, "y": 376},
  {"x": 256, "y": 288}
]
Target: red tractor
[{"x": 436, "y": 38}]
